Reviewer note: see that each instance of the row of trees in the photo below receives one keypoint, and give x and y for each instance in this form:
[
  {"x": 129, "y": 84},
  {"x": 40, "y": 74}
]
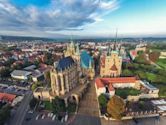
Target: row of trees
[{"x": 57, "y": 104}]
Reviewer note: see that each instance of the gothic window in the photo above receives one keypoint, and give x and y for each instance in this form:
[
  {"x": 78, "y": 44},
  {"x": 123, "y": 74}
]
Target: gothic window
[
  {"x": 59, "y": 83},
  {"x": 64, "y": 80}
]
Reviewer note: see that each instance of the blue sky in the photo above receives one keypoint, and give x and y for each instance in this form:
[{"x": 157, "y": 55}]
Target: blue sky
[{"x": 85, "y": 18}]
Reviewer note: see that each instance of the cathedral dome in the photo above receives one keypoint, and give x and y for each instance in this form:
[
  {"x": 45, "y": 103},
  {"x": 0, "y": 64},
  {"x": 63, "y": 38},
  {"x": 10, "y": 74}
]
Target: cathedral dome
[{"x": 86, "y": 60}]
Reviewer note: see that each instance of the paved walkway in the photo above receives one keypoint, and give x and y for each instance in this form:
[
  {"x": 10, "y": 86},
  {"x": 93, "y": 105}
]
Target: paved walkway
[
  {"x": 143, "y": 121},
  {"x": 88, "y": 105}
]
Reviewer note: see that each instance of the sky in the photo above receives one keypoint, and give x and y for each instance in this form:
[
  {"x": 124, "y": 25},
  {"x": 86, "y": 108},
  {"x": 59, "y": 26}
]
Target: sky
[{"x": 83, "y": 18}]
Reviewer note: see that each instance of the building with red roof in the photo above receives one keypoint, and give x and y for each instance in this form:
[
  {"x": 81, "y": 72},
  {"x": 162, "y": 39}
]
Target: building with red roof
[
  {"x": 108, "y": 85},
  {"x": 5, "y": 97},
  {"x": 133, "y": 54}
]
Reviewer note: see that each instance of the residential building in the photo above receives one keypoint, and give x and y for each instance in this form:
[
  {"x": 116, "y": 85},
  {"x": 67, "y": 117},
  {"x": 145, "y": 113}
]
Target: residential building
[{"x": 20, "y": 74}]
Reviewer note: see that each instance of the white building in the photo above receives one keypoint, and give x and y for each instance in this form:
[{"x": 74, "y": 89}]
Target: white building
[{"x": 20, "y": 74}]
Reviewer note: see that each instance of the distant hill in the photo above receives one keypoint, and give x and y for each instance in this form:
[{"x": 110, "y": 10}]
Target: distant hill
[
  {"x": 77, "y": 38},
  {"x": 21, "y": 38}
]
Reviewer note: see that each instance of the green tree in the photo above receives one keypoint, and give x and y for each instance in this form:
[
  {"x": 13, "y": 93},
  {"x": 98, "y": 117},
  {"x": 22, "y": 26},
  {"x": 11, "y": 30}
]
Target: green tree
[
  {"x": 4, "y": 114},
  {"x": 5, "y": 72},
  {"x": 58, "y": 105},
  {"x": 154, "y": 56},
  {"x": 102, "y": 101},
  {"x": 116, "y": 107},
  {"x": 34, "y": 86},
  {"x": 33, "y": 103},
  {"x": 127, "y": 72}
]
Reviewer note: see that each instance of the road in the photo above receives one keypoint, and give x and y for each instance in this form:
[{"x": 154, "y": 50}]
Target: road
[
  {"x": 18, "y": 117},
  {"x": 89, "y": 104}
]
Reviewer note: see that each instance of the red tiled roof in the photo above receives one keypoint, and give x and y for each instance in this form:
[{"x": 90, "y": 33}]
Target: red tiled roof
[
  {"x": 133, "y": 52},
  {"x": 101, "y": 82},
  {"x": 113, "y": 68},
  {"x": 7, "y": 97}
]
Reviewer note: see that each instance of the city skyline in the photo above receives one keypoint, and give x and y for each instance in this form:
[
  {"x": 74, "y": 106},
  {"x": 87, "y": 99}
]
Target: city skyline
[{"x": 86, "y": 18}]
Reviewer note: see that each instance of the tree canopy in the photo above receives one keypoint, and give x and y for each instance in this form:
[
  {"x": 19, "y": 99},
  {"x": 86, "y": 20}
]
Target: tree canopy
[
  {"x": 116, "y": 107},
  {"x": 58, "y": 105},
  {"x": 4, "y": 114},
  {"x": 102, "y": 100}
]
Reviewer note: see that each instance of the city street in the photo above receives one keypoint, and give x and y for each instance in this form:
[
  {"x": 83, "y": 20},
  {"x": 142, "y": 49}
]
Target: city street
[
  {"x": 88, "y": 104},
  {"x": 20, "y": 113}
]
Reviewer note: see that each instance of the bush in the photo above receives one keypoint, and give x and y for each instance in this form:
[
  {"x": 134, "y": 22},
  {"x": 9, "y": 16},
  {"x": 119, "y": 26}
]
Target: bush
[
  {"x": 33, "y": 103},
  {"x": 58, "y": 105},
  {"x": 126, "y": 92}
]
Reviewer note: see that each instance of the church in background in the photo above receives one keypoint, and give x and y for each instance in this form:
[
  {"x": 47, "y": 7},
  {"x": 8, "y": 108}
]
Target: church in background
[{"x": 111, "y": 63}]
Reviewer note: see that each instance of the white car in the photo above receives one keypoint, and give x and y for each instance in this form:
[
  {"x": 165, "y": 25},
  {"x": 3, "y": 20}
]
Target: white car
[
  {"x": 51, "y": 115},
  {"x": 48, "y": 115},
  {"x": 62, "y": 120},
  {"x": 43, "y": 116},
  {"x": 66, "y": 117},
  {"x": 53, "y": 118},
  {"x": 37, "y": 117}
]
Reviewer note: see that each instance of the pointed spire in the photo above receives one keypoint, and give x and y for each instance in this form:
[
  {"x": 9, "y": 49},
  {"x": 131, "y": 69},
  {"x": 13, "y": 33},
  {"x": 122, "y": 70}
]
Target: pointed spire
[
  {"x": 109, "y": 51},
  {"x": 71, "y": 40},
  {"x": 77, "y": 49},
  {"x": 115, "y": 39},
  {"x": 90, "y": 64}
]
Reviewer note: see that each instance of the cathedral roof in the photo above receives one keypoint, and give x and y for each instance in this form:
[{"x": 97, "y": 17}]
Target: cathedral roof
[
  {"x": 86, "y": 59},
  {"x": 65, "y": 63}
]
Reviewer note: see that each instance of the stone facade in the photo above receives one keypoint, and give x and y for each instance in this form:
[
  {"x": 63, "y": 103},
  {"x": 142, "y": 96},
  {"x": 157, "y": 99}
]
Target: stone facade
[
  {"x": 110, "y": 65},
  {"x": 63, "y": 80}
]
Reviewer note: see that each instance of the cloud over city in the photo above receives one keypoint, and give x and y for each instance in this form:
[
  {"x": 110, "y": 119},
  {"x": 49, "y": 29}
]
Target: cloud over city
[{"x": 57, "y": 15}]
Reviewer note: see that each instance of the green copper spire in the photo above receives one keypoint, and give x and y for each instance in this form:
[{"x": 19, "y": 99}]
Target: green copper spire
[
  {"x": 90, "y": 64},
  {"x": 109, "y": 51}
]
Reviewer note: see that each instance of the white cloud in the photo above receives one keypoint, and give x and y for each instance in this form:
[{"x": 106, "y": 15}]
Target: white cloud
[{"x": 57, "y": 16}]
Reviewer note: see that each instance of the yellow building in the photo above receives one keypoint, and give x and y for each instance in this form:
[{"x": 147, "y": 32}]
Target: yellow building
[{"x": 110, "y": 64}]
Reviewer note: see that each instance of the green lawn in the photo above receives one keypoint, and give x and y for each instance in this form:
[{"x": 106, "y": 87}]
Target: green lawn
[
  {"x": 162, "y": 63},
  {"x": 162, "y": 89},
  {"x": 151, "y": 76},
  {"x": 126, "y": 91}
]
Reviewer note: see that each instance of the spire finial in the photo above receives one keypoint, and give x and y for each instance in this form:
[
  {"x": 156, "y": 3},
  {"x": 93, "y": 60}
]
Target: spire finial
[{"x": 116, "y": 35}]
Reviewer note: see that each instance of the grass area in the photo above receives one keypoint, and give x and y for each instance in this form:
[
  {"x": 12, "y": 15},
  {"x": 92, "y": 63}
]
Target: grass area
[
  {"x": 48, "y": 105},
  {"x": 162, "y": 63},
  {"x": 162, "y": 89},
  {"x": 126, "y": 92},
  {"x": 150, "y": 76}
]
